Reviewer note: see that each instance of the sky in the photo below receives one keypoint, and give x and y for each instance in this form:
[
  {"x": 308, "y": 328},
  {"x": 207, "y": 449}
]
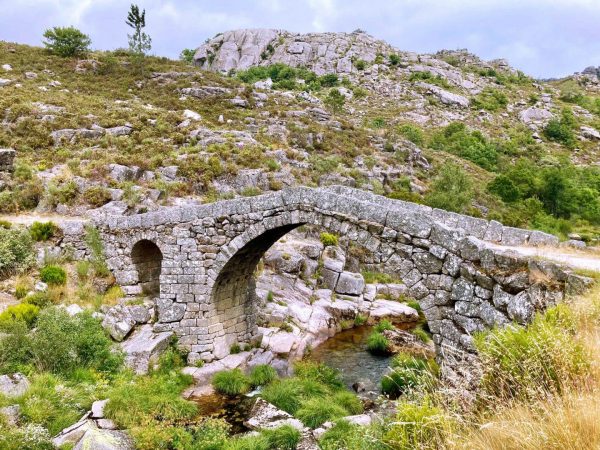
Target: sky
[{"x": 544, "y": 38}]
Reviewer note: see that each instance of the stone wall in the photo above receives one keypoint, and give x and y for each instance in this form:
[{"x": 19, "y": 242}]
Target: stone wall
[{"x": 210, "y": 253}]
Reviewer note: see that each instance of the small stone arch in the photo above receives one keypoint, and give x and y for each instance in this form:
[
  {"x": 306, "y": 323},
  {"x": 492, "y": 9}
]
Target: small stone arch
[{"x": 147, "y": 260}]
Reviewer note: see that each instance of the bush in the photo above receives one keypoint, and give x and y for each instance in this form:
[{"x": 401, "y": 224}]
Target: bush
[
  {"x": 22, "y": 312},
  {"x": 43, "y": 231},
  {"x": 231, "y": 382},
  {"x": 409, "y": 372},
  {"x": 394, "y": 59},
  {"x": 335, "y": 100},
  {"x": 503, "y": 187},
  {"x": 413, "y": 133},
  {"x": 377, "y": 344},
  {"x": 66, "y": 41},
  {"x": 529, "y": 362},
  {"x": 60, "y": 344},
  {"x": 16, "y": 251},
  {"x": 315, "y": 412},
  {"x": 558, "y": 131},
  {"x": 328, "y": 239},
  {"x": 491, "y": 100},
  {"x": 457, "y": 139},
  {"x": 360, "y": 64},
  {"x": 451, "y": 190},
  {"x": 39, "y": 299},
  {"x": 53, "y": 275},
  {"x": 97, "y": 196},
  {"x": 262, "y": 375}
]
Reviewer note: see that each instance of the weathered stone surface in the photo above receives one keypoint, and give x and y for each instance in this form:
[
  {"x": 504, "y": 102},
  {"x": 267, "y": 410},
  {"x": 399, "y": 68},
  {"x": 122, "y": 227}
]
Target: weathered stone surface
[
  {"x": 13, "y": 385},
  {"x": 143, "y": 348},
  {"x": 85, "y": 435},
  {"x": 350, "y": 283},
  {"x": 267, "y": 416}
]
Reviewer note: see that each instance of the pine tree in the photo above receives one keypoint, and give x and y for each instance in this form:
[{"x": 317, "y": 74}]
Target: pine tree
[{"x": 139, "y": 42}]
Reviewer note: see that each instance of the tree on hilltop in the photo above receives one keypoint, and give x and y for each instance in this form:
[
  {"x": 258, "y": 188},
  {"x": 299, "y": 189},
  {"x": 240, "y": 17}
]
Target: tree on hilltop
[
  {"x": 139, "y": 41},
  {"x": 66, "y": 41}
]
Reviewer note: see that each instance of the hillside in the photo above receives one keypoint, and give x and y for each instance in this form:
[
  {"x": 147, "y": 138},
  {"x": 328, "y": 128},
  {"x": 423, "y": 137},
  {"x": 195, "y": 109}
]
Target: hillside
[
  {"x": 131, "y": 136},
  {"x": 328, "y": 318}
]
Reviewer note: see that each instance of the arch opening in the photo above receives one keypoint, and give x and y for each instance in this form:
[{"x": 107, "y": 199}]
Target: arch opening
[
  {"x": 147, "y": 259},
  {"x": 235, "y": 288}
]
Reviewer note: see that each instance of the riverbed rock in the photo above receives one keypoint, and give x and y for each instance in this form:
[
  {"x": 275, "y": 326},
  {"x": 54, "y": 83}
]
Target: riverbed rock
[
  {"x": 144, "y": 347},
  {"x": 86, "y": 435},
  {"x": 264, "y": 415},
  {"x": 394, "y": 311},
  {"x": 405, "y": 342}
]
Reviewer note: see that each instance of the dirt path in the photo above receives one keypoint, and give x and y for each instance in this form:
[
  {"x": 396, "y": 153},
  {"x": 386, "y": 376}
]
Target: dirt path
[
  {"x": 28, "y": 219},
  {"x": 585, "y": 260}
]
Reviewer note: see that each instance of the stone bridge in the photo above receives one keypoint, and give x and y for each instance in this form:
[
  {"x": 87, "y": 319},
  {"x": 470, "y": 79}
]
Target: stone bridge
[{"x": 199, "y": 262}]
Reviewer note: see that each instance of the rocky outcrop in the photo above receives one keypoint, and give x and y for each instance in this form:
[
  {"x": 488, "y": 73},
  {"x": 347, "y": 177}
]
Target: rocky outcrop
[
  {"x": 320, "y": 52},
  {"x": 13, "y": 385}
]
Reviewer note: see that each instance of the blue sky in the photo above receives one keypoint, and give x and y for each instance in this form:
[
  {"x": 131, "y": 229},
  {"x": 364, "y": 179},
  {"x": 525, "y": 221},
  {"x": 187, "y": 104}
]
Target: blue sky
[{"x": 544, "y": 38}]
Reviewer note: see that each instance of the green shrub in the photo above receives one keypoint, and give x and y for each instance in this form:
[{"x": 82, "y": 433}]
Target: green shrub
[
  {"x": 451, "y": 190},
  {"x": 377, "y": 344},
  {"x": 360, "y": 320},
  {"x": 491, "y": 100},
  {"x": 408, "y": 372},
  {"x": 335, "y": 100},
  {"x": 231, "y": 382},
  {"x": 22, "y": 312},
  {"x": 39, "y": 299},
  {"x": 457, "y": 139},
  {"x": 558, "y": 131},
  {"x": 22, "y": 289},
  {"x": 394, "y": 59},
  {"x": 421, "y": 334},
  {"x": 235, "y": 349},
  {"x": 329, "y": 239},
  {"x": 413, "y": 133},
  {"x": 53, "y": 275},
  {"x": 315, "y": 412},
  {"x": 528, "y": 362},
  {"x": 16, "y": 251},
  {"x": 262, "y": 375},
  {"x": 360, "y": 64},
  {"x": 60, "y": 344},
  {"x": 66, "y": 41},
  {"x": 503, "y": 187},
  {"x": 94, "y": 244},
  {"x": 211, "y": 434},
  {"x": 43, "y": 231},
  {"x": 97, "y": 196},
  {"x": 5, "y": 224}
]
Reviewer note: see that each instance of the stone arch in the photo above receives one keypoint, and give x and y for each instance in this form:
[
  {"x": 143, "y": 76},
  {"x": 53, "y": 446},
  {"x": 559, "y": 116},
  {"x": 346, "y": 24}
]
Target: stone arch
[{"x": 147, "y": 260}]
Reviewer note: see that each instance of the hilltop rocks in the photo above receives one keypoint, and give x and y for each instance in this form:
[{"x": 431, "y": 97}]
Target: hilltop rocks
[
  {"x": 204, "y": 91},
  {"x": 320, "y": 52},
  {"x": 4, "y": 82}
]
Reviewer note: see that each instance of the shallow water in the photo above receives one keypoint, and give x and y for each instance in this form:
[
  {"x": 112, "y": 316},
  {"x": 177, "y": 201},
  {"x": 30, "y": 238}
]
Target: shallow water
[
  {"x": 347, "y": 352},
  {"x": 234, "y": 410}
]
